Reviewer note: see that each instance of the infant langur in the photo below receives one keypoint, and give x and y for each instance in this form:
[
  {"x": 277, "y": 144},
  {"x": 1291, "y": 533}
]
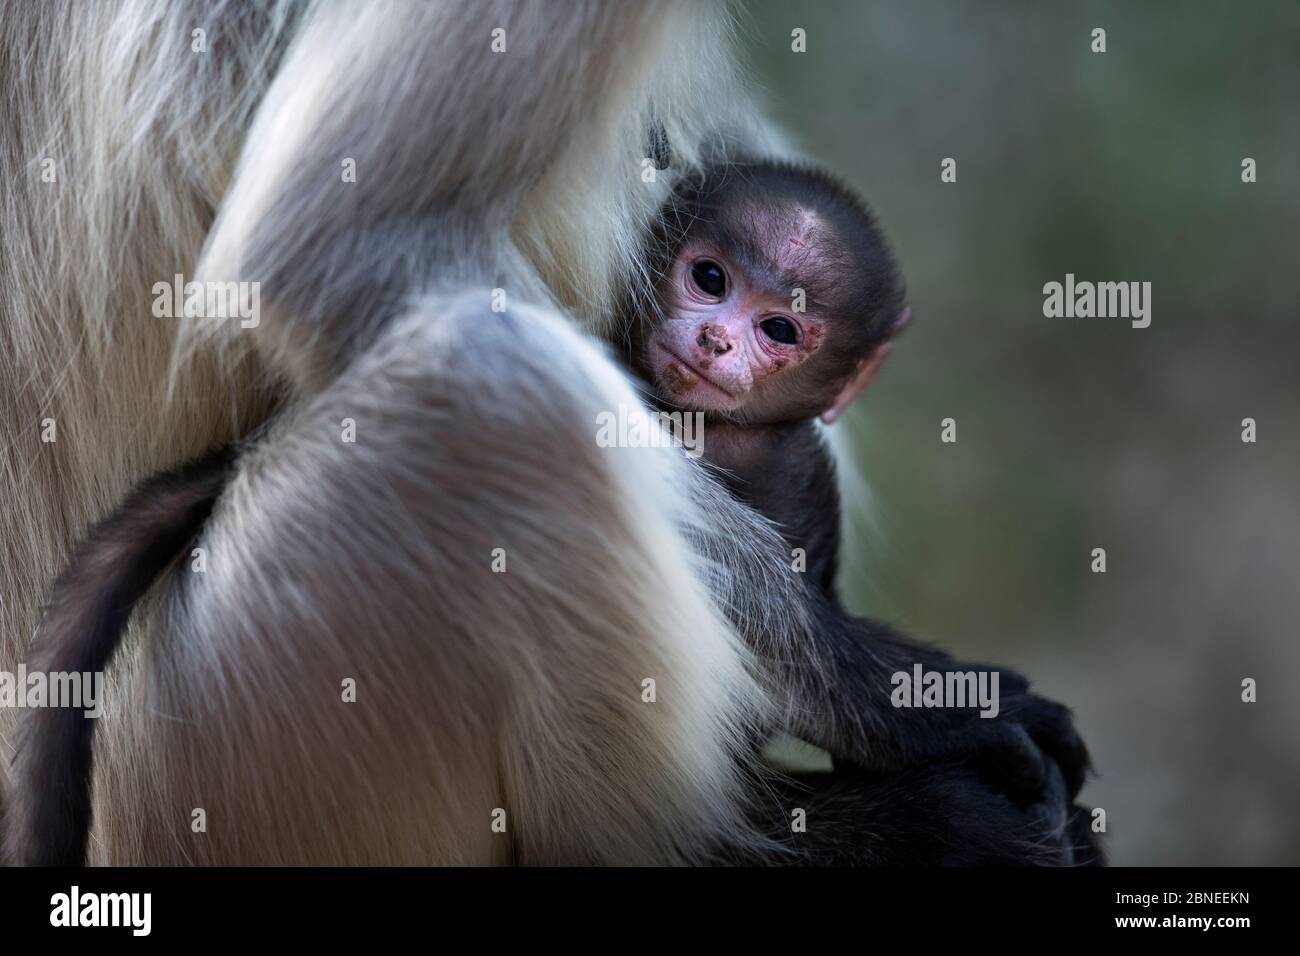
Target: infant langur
[{"x": 776, "y": 303}]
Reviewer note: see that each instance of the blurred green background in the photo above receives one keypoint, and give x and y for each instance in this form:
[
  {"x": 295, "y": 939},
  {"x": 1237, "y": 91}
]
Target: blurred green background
[{"x": 1081, "y": 433}]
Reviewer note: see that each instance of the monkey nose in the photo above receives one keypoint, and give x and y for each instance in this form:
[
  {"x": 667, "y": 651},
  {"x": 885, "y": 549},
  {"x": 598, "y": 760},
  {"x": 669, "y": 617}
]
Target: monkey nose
[{"x": 713, "y": 340}]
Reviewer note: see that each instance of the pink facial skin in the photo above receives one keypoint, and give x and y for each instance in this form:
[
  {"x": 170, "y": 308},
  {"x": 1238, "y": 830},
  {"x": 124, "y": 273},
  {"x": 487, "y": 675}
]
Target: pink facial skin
[{"x": 711, "y": 353}]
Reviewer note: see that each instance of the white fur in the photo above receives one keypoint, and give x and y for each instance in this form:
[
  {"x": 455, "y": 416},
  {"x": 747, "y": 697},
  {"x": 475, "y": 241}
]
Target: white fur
[{"x": 475, "y": 429}]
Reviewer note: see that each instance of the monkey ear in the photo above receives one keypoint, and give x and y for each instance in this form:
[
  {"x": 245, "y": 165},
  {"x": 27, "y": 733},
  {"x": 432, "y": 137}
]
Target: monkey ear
[
  {"x": 866, "y": 370},
  {"x": 857, "y": 383},
  {"x": 900, "y": 321}
]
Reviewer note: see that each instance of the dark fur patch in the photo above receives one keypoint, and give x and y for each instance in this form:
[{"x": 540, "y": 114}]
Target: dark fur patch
[{"x": 48, "y": 819}]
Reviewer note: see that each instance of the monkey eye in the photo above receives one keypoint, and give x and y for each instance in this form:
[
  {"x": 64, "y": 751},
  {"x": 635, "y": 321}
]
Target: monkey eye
[
  {"x": 780, "y": 330},
  {"x": 709, "y": 278}
]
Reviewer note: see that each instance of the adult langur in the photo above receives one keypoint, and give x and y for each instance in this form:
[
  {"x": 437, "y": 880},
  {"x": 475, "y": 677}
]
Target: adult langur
[{"x": 342, "y": 670}]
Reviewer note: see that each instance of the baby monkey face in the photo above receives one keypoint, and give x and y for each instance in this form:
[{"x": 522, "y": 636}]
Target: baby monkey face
[
  {"x": 777, "y": 296},
  {"x": 730, "y": 340}
]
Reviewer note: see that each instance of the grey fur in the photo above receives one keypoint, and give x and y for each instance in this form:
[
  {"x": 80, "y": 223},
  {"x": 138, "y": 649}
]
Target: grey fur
[{"x": 326, "y": 560}]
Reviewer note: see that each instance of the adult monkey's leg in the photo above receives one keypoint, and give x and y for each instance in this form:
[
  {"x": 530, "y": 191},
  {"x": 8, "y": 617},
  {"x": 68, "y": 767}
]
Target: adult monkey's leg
[
  {"x": 515, "y": 684},
  {"x": 446, "y": 136}
]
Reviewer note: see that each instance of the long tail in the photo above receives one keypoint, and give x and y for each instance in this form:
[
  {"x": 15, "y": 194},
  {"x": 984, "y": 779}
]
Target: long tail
[{"x": 47, "y": 822}]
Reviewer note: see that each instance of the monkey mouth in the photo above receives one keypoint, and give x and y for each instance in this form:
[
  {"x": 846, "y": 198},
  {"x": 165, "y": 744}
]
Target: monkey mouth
[{"x": 678, "y": 376}]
